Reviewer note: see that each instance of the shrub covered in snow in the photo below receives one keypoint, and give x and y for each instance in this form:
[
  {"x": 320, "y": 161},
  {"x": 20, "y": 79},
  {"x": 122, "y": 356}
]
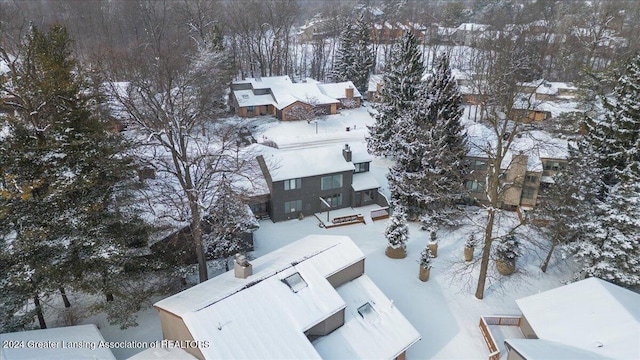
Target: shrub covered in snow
[
  {"x": 507, "y": 248},
  {"x": 397, "y": 231},
  {"x": 425, "y": 258}
]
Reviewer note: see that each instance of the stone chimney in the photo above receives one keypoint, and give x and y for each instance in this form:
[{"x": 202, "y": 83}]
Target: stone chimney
[
  {"x": 348, "y": 92},
  {"x": 241, "y": 267},
  {"x": 346, "y": 153}
]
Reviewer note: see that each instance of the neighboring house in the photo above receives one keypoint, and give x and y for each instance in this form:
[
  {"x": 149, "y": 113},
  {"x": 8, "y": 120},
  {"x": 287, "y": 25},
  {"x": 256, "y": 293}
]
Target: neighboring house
[
  {"x": 286, "y": 100},
  {"x": 529, "y": 167},
  {"x": 298, "y": 179},
  {"x": 70, "y": 342},
  {"x": 468, "y": 33},
  {"x": 588, "y": 319},
  {"x": 308, "y": 300}
]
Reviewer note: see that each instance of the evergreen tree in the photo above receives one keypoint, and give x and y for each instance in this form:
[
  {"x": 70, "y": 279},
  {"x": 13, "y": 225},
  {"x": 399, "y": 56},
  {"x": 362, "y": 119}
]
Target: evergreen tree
[
  {"x": 431, "y": 146},
  {"x": 397, "y": 231},
  {"x": 401, "y": 82},
  {"x": 61, "y": 169},
  {"x": 601, "y": 215},
  {"x": 229, "y": 220},
  {"x": 616, "y": 134},
  {"x": 354, "y": 58}
]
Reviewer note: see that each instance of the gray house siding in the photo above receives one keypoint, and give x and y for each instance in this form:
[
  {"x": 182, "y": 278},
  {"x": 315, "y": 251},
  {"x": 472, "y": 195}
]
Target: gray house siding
[{"x": 309, "y": 194}]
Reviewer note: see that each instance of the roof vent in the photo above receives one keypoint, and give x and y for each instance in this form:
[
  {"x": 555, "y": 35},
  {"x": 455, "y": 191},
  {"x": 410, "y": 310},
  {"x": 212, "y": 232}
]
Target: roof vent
[{"x": 242, "y": 269}]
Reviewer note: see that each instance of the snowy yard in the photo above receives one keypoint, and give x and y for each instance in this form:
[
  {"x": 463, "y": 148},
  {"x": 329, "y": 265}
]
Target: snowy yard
[{"x": 443, "y": 310}]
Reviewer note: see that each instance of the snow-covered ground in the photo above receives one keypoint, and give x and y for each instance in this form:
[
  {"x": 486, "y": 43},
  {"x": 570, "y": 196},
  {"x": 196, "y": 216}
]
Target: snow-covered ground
[{"x": 443, "y": 310}]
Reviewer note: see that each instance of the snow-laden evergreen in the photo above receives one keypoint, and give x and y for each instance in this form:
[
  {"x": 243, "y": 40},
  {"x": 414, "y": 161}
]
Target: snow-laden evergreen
[
  {"x": 598, "y": 215},
  {"x": 397, "y": 231},
  {"x": 427, "y": 177},
  {"x": 354, "y": 59},
  {"x": 228, "y": 221},
  {"x": 401, "y": 83}
]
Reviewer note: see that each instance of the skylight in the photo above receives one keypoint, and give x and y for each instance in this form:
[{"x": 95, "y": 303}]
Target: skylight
[
  {"x": 367, "y": 311},
  {"x": 295, "y": 282}
]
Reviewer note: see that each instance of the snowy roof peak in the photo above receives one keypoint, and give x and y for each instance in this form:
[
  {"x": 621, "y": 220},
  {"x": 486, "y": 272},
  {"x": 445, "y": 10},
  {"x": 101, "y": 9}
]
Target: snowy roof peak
[{"x": 590, "y": 314}]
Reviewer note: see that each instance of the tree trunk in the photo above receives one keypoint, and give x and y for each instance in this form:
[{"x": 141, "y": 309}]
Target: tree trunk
[
  {"x": 196, "y": 233},
  {"x": 486, "y": 252},
  {"x": 65, "y": 299},
  {"x": 36, "y": 302},
  {"x": 546, "y": 261}
]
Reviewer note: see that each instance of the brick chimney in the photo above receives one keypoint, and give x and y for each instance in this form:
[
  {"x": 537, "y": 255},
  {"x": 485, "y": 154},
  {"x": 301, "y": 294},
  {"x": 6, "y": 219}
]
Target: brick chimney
[
  {"x": 349, "y": 92},
  {"x": 346, "y": 153},
  {"x": 241, "y": 267}
]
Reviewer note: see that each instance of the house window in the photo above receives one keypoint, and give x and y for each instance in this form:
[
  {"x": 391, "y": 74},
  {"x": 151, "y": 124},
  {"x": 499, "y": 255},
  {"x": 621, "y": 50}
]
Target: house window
[
  {"x": 553, "y": 165},
  {"x": 368, "y": 195},
  {"x": 474, "y": 186},
  {"x": 531, "y": 178},
  {"x": 293, "y": 206},
  {"x": 331, "y": 182},
  {"x": 361, "y": 167},
  {"x": 333, "y": 200},
  {"x": 292, "y": 184},
  {"x": 528, "y": 193},
  {"x": 251, "y": 108},
  {"x": 479, "y": 165},
  {"x": 295, "y": 282}
]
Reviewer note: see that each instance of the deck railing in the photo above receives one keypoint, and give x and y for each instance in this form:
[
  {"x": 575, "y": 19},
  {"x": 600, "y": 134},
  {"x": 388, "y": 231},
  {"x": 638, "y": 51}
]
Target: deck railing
[{"x": 485, "y": 321}]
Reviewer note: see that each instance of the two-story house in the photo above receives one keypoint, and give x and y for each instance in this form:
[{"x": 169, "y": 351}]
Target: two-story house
[
  {"x": 310, "y": 299},
  {"x": 526, "y": 170},
  {"x": 312, "y": 180}
]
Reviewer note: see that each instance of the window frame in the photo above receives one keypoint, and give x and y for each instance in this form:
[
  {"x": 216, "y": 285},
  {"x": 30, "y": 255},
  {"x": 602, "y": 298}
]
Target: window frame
[
  {"x": 297, "y": 184},
  {"x": 294, "y": 208},
  {"x": 333, "y": 183}
]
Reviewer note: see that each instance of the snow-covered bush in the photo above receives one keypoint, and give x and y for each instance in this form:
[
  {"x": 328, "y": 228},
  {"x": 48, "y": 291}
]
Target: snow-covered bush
[
  {"x": 433, "y": 237},
  {"x": 507, "y": 248},
  {"x": 425, "y": 258},
  {"x": 471, "y": 241}
]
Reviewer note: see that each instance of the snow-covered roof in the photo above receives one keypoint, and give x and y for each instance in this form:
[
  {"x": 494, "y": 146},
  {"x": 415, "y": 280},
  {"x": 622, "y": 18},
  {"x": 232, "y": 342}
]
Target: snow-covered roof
[
  {"x": 301, "y": 163},
  {"x": 163, "y": 353},
  {"x": 472, "y": 27},
  {"x": 338, "y": 90},
  {"x": 71, "y": 342},
  {"x": 383, "y": 335},
  {"x": 537, "y": 349},
  {"x": 590, "y": 314},
  {"x": 266, "y": 82},
  {"x": 364, "y": 181},
  {"x": 261, "y": 317},
  {"x": 307, "y": 93},
  {"x": 248, "y": 98}
]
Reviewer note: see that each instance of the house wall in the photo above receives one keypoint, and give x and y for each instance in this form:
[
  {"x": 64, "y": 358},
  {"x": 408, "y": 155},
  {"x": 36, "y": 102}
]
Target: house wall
[
  {"x": 515, "y": 175},
  {"x": 347, "y": 274},
  {"x": 309, "y": 193},
  {"x": 173, "y": 328},
  {"x": 526, "y": 329},
  {"x": 513, "y": 355},
  {"x": 327, "y": 325}
]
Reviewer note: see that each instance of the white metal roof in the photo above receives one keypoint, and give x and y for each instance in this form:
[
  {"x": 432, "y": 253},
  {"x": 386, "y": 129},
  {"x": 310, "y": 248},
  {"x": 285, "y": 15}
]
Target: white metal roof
[{"x": 591, "y": 315}]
